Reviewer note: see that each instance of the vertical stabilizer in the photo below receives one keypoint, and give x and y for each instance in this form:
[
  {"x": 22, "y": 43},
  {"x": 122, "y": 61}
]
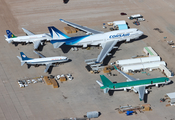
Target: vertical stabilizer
[
  {"x": 57, "y": 34},
  {"x": 24, "y": 57},
  {"x": 105, "y": 80},
  {"x": 10, "y": 34}
]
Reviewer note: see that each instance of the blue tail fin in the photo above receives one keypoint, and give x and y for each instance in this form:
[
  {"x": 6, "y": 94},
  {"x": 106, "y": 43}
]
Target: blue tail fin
[
  {"x": 57, "y": 34},
  {"x": 10, "y": 34},
  {"x": 24, "y": 57}
]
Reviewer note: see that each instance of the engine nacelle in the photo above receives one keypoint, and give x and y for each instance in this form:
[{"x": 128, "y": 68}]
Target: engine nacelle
[
  {"x": 42, "y": 43},
  {"x": 109, "y": 54},
  {"x": 27, "y": 41},
  {"x": 157, "y": 85},
  {"x": 128, "y": 40},
  {"x": 84, "y": 45},
  {"x": 146, "y": 91},
  {"x": 125, "y": 89}
]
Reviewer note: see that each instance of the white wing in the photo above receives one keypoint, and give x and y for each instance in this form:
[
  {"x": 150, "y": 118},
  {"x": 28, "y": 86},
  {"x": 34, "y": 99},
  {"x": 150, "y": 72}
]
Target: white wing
[
  {"x": 47, "y": 67},
  {"x": 42, "y": 56},
  {"x": 36, "y": 44},
  {"x": 141, "y": 92},
  {"x": 27, "y": 32},
  {"x": 125, "y": 75},
  {"x": 107, "y": 47},
  {"x": 83, "y": 28}
]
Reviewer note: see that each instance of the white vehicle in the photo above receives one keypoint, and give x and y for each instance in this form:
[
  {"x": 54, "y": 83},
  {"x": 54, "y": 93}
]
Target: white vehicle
[
  {"x": 69, "y": 76},
  {"x": 62, "y": 75},
  {"x": 31, "y": 38},
  {"x": 48, "y": 61},
  {"x": 135, "y": 16},
  {"x": 107, "y": 40},
  {"x": 29, "y": 81},
  {"x": 58, "y": 77}
]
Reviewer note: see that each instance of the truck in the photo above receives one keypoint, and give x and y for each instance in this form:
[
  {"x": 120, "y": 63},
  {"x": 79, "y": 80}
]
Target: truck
[{"x": 135, "y": 16}]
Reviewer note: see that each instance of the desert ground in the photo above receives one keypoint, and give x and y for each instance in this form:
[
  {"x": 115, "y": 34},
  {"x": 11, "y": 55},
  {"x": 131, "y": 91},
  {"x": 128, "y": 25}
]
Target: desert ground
[{"x": 82, "y": 94}]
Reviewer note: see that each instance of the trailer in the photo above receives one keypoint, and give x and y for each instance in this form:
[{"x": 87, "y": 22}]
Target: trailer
[
  {"x": 135, "y": 67},
  {"x": 135, "y": 16},
  {"x": 137, "y": 60}
]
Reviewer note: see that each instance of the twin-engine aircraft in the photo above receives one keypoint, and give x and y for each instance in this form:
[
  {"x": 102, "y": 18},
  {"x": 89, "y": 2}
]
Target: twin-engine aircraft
[
  {"x": 137, "y": 86},
  {"x": 31, "y": 38},
  {"x": 107, "y": 40},
  {"x": 48, "y": 61}
]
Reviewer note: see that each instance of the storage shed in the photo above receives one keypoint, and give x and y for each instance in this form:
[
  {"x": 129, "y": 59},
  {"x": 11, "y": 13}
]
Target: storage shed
[
  {"x": 149, "y": 51},
  {"x": 133, "y": 67},
  {"x": 171, "y": 96},
  {"x": 137, "y": 60}
]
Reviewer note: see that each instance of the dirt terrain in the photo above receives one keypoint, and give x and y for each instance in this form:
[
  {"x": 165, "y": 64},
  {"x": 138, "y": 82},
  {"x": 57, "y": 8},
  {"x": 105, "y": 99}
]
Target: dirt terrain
[{"x": 40, "y": 102}]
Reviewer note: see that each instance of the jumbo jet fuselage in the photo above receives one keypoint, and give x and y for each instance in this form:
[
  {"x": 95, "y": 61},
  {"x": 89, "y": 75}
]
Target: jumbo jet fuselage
[{"x": 97, "y": 39}]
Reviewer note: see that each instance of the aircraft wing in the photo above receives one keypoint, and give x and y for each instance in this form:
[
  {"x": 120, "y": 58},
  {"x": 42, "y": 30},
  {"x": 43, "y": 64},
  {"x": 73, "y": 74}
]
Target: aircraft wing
[
  {"x": 27, "y": 32},
  {"x": 141, "y": 91},
  {"x": 42, "y": 56},
  {"x": 83, "y": 28},
  {"x": 107, "y": 47},
  {"x": 36, "y": 44},
  {"x": 125, "y": 75},
  {"x": 47, "y": 67}
]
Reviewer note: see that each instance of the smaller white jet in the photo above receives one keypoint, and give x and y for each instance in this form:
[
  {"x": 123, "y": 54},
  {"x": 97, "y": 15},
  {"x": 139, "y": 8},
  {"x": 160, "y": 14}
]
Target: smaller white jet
[
  {"x": 48, "y": 61},
  {"x": 31, "y": 38}
]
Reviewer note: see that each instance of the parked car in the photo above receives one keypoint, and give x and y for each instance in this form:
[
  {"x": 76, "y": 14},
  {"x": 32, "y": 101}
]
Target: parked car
[{"x": 122, "y": 13}]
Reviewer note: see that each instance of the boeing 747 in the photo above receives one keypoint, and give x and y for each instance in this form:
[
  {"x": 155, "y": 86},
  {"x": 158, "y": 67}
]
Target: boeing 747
[{"x": 107, "y": 40}]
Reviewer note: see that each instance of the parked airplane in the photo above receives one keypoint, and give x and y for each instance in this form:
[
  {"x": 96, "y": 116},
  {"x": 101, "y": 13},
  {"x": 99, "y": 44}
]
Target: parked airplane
[
  {"x": 35, "y": 39},
  {"x": 107, "y": 40},
  {"x": 132, "y": 83},
  {"x": 48, "y": 61}
]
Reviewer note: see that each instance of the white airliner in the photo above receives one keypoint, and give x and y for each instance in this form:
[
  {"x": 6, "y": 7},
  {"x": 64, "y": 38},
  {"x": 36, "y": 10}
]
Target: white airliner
[
  {"x": 138, "y": 86},
  {"x": 48, "y": 61},
  {"x": 35, "y": 39},
  {"x": 107, "y": 40}
]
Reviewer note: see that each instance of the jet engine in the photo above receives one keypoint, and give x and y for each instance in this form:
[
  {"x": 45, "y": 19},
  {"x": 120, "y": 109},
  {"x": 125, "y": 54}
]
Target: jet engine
[
  {"x": 146, "y": 91},
  {"x": 128, "y": 40},
  {"x": 157, "y": 85},
  {"x": 125, "y": 89}
]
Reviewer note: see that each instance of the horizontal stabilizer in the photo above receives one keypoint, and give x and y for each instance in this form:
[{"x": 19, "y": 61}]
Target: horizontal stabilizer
[
  {"x": 6, "y": 36},
  {"x": 22, "y": 63},
  {"x": 99, "y": 83},
  {"x": 57, "y": 44}
]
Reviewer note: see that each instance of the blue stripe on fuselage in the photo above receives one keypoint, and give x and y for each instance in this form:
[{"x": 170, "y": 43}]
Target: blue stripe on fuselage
[{"x": 70, "y": 41}]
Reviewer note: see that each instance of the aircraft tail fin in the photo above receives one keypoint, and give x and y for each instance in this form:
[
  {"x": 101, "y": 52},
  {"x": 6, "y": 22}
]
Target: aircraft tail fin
[
  {"x": 105, "y": 80},
  {"x": 10, "y": 34},
  {"x": 22, "y": 62},
  {"x": 57, "y": 34},
  {"x": 24, "y": 57}
]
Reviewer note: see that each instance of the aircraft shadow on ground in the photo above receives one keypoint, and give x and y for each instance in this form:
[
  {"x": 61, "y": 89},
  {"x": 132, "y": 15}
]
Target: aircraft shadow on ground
[
  {"x": 108, "y": 58},
  {"x": 140, "y": 38},
  {"x": 65, "y": 1},
  {"x": 65, "y": 48},
  {"x": 113, "y": 51}
]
